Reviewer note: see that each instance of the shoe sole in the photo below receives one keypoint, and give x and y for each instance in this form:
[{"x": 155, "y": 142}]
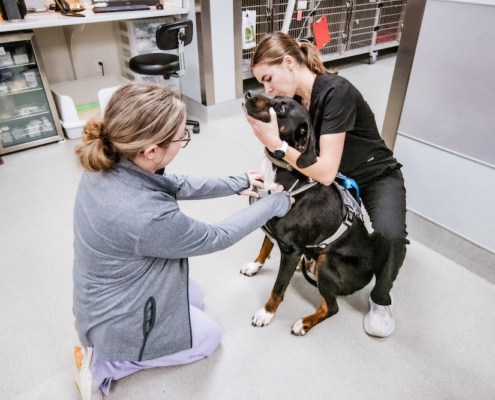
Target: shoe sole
[{"x": 84, "y": 377}]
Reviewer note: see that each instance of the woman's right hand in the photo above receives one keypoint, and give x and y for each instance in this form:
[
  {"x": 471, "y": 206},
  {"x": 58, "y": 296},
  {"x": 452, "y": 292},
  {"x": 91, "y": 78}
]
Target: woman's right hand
[{"x": 255, "y": 180}]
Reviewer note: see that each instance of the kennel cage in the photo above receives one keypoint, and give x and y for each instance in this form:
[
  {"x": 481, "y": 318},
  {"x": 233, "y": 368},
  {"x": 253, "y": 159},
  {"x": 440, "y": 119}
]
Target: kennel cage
[{"x": 356, "y": 26}]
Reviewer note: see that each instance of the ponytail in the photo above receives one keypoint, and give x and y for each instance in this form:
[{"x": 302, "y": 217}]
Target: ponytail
[
  {"x": 311, "y": 56},
  {"x": 96, "y": 153},
  {"x": 274, "y": 47}
]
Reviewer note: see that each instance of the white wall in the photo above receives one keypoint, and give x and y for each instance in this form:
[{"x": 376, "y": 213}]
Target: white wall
[
  {"x": 191, "y": 85},
  {"x": 222, "y": 33},
  {"x": 451, "y": 190},
  {"x": 95, "y": 41}
]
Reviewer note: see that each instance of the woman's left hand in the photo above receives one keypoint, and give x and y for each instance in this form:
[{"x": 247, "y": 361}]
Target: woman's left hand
[
  {"x": 267, "y": 132},
  {"x": 255, "y": 179}
]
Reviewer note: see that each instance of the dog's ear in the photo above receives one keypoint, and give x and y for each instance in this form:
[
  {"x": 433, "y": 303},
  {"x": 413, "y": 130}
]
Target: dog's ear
[{"x": 304, "y": 139}]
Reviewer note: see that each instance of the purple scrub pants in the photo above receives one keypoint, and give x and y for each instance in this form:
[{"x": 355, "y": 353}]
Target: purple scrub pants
[{"x": 206, "y": 337}]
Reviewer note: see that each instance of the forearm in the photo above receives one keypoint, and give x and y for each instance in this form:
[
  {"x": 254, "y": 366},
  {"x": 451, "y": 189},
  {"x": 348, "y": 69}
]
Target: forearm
[
  {"x": 175, "y": 235},
  {"x": 245, "y": 221},
  {"x": 201, "y": 187},
  {"x": 323, "y": 171}
]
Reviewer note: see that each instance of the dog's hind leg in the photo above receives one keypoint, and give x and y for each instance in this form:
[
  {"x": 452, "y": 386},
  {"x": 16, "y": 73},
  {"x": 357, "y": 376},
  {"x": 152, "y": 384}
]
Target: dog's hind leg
[
  {"x": 328, "y": 290},
  {"x": 252, "y": 268},
  {"x": 288, "y": 264}
]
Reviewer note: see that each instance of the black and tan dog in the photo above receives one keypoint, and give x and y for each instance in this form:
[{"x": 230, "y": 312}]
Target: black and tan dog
[{"x": 340, "y": 268}]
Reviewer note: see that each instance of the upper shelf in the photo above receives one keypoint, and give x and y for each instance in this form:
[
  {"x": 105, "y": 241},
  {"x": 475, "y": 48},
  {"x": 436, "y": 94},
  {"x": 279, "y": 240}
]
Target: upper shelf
[{"x": 57, "y": 19}]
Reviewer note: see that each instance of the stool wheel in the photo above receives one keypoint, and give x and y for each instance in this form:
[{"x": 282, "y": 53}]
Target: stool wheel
[{"x": 194, "y": 124}]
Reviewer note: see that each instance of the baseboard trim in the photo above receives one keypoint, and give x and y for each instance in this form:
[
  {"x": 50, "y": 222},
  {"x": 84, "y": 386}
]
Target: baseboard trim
[
  {"x": 212, "y": 113},
  {"x": 461, "y": 250}
]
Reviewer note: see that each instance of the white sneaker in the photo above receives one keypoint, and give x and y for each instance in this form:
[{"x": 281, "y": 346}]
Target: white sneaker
[
  {"x": 85, "y": 363},
  {"x": 379, "y": 321}
]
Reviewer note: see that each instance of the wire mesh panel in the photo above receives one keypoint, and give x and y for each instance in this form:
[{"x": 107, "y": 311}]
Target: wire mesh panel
[
  {"x": 279, "y": 10},
  {"x": 262, "y": 28},
  {"x": 355, "y": 26},
  {"x": 390, "y": 21},
  {"x": 362, "y": 24},
  {"x": 338, "y": 14}
]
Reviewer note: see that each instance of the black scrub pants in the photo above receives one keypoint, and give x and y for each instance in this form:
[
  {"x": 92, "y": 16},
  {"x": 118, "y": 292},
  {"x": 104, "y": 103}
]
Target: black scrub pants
[{"x": 385, "y": 202}]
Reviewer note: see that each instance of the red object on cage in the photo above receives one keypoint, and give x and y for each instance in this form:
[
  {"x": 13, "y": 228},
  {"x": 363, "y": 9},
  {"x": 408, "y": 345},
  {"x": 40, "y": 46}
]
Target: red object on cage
[
  {"x": 386, "y": 35},
  {"x": 322, "y": 34}
]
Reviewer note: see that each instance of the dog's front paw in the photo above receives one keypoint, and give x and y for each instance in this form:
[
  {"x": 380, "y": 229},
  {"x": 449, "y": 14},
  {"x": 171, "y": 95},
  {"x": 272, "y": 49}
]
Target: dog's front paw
[
  {"x": 262, "y": 318},
  {"x": 251, "y": 268},
  {"x": 298, "y": 328}
]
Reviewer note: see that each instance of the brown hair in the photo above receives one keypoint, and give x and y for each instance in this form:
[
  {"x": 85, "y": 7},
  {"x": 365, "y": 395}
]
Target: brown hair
[
  {"x": 137, "y": 116},
  {"x": 275, "y": 46}
]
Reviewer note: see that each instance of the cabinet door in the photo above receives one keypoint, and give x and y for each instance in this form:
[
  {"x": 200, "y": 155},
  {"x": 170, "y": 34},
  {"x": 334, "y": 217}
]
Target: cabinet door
[{"x": 25, "y": 114}]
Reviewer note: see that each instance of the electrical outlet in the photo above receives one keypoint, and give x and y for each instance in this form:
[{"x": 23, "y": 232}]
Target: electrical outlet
[{"x": 98, "y": 67}]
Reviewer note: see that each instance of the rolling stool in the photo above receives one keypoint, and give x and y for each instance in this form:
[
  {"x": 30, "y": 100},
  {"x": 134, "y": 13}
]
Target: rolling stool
[{"x": 168, "y": 37}]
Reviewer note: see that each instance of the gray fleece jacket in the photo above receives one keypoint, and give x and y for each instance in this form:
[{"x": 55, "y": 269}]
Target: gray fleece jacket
[{"x": 131, "y": 244}]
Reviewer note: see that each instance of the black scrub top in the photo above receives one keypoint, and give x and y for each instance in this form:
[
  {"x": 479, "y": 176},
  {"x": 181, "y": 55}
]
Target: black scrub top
[{"x": 337, "y": 106}]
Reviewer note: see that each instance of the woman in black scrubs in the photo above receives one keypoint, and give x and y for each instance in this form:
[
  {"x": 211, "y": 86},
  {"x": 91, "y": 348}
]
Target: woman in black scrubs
[{"x": 348, "y": 141}]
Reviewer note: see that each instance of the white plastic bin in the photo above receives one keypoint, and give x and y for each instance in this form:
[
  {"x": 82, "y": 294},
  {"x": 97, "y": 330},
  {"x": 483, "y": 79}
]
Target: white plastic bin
[{"x": 86, "y": 91}]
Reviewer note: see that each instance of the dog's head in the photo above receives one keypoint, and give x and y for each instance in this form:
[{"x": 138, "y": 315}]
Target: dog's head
[{"x": 294, "y": 123}]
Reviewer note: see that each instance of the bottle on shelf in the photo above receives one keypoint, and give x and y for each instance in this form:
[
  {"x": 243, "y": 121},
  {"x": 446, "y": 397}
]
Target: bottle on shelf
[
  {"x": 5, "y": 136},
  {"x": 4, "y": 89},
  {"x": 46, "y": 125},
  {"x": 34, "y": 128}
]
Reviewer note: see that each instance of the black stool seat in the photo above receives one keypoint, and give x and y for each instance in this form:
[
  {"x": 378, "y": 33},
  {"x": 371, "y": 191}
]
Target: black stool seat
[
  {"x": 171, "y": 36},
  {"x": 155, "y": 64}
]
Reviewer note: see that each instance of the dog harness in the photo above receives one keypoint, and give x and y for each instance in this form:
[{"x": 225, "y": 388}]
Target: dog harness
[
  {"x": 351, "y": 206},
  {"x": 351, "y": 209}
]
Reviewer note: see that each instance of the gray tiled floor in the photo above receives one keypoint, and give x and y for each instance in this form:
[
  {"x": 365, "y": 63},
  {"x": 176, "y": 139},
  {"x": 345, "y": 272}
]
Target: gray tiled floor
[{"x": 442, "y": 347}]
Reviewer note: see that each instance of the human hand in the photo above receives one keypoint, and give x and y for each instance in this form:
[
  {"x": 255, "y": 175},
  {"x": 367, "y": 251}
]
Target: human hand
[
  {"x": 267, "y": 132},
  {"x": 255, "y": 179},
  {"x": 280, "y": 188}
]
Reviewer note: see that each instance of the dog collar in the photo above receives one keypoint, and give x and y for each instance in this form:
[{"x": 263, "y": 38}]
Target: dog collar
[{"x": 278, "y": 162}]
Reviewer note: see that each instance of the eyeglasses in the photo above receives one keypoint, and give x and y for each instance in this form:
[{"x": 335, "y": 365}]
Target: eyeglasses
[{"x": 186, "y": 140}]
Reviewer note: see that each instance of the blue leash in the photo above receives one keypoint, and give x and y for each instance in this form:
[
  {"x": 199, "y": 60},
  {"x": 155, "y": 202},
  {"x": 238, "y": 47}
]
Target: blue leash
[{"x": 348, "y": 184}]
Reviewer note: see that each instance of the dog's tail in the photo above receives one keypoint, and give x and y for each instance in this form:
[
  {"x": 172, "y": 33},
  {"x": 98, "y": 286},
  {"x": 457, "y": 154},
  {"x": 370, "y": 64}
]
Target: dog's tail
[{"x": 305, "y": 273}]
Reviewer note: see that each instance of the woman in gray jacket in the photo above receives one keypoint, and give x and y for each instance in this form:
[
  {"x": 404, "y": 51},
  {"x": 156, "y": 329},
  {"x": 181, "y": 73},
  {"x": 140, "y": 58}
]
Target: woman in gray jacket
[{"x": 134, "y": 304}]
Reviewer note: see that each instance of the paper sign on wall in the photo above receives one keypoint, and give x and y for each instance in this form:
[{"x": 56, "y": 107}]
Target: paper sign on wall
[
  {"x": 248, "y": 29},
  {"x": 302, "y": 4},
  {"x": 173, "y": 3},
  {"x": 322, "y": 34}
]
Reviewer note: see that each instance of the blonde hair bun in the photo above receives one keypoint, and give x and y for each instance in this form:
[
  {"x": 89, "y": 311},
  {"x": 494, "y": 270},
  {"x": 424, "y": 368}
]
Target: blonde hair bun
[{"x": 137, "y": 116}]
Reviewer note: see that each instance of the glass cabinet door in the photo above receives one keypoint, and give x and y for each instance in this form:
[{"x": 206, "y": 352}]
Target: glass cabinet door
[{"x": 25, "y": 114}]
